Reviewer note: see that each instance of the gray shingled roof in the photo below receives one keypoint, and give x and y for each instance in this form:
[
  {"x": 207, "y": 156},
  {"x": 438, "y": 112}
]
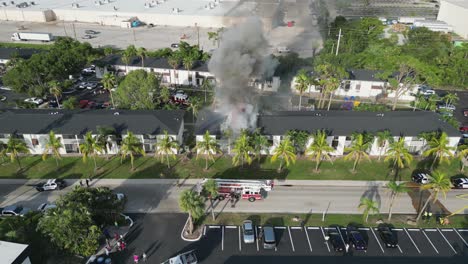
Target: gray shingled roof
[
  {"x": 77, "y": 122},
  {"x": 7, "y": 53},
  {"x": 149, "y": 62},
  {"x": 340, "y": 123}
]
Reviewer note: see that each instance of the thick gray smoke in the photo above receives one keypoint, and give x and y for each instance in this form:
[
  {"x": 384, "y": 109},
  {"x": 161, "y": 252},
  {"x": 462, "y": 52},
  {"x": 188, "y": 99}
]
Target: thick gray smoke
[{"x": 242, "y": 56}]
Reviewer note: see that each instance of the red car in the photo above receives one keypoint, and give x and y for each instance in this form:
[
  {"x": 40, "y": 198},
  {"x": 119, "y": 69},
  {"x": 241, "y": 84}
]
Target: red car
[
  {"x": 465, "y": 112},
  {"x": 83, "y": 103},
  {"x": 463, "y": 129}
]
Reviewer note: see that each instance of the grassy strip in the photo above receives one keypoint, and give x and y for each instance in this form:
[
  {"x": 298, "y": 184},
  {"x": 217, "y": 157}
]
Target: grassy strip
[
  {"x": 25, "y": 45},
  {"x": 149, "y": 167},
  {"x": 457, "y": 221}
]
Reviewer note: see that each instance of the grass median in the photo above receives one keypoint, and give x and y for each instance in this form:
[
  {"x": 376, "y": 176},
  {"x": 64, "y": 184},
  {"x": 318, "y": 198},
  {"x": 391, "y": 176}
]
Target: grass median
[{"x": 33, "y": 167}]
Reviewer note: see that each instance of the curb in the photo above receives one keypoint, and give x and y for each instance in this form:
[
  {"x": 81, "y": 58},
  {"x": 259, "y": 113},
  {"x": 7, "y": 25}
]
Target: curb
[{"x": 188, "y": 239}]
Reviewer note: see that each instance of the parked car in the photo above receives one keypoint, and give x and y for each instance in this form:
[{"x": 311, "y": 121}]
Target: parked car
[
  {"x": 465, "y": 112},
  {"x": 449, "y": 107},
  {"x": 50, "y": 185},
  {"x": 87, "y": 37},
  {"x": 92, "y": 32},
  {"x": 184, "y": 258},
  {"x": 460, "y": 183},
  {"x": 248, "y": 232},
  {"x": 388, "y": 236},
  {"x": 91, "y": 85},
  {"x": 463, "y": 129},
  {"x": 83, "y": 103},
  {"x": 355, "y": 238},
  {"x": 46, "y": 206},
  {"x": 421, "y": 178},
  {"x": 337, "y": 239},
  {"x": 428, "y": 92},
  {"x": 34, "y": 100},
  {"x": 14, "y": 210},
  {"x": 174, "y": 45},
  {"x": 83, "y": 85},
  {"x": 269, "y": 240}
]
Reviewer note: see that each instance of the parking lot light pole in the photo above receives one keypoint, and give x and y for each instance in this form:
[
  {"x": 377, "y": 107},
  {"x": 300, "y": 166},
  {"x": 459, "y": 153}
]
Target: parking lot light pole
[{"x": 325, "y": 212}]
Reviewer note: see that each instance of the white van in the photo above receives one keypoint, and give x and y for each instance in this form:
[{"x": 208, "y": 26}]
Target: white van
[{"x": 283, "y": 49}]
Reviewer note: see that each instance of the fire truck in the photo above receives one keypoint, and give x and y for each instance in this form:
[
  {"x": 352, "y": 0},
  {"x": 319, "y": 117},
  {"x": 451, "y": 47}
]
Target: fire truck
[{"x": 251, "y": 190}]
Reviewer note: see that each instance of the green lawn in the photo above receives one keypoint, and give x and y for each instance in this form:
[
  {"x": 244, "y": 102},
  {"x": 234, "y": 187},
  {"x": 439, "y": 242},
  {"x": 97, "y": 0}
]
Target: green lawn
[
  {"x": 458, "y": 221},
  {"x": 25, "y": 45},
  {"x": 149, "y": 167}
]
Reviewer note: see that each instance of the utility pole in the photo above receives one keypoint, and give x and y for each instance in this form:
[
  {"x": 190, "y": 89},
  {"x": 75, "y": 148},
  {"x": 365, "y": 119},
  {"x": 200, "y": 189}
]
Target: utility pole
[
  {"x": 74, "y": 31},
  {"x": 338, "y": 44},
  {"x": 64, "y": 29},
  {"x": 198, "y": 35}
]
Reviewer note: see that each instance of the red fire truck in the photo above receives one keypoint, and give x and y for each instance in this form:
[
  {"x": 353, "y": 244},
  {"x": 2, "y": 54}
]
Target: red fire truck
[{"x": 246, "y": 189}]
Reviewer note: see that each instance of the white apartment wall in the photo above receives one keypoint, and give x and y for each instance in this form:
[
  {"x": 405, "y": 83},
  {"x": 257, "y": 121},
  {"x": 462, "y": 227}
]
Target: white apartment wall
[
  {"x": 19, "y": 14},
  {"x": 42, "y": 141},
  {"x": 453, "y": 142},
  {"x": 455, "y": 16}
]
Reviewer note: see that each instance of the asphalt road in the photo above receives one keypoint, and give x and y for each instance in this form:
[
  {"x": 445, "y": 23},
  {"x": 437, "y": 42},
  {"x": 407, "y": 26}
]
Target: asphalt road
[
  {"x": 152, "y": 196},
  {"x": 158, "y": 235}
]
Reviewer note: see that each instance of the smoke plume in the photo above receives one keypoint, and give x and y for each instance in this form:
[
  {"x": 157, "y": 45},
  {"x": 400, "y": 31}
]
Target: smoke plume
[{"x": 242, "y": 56}]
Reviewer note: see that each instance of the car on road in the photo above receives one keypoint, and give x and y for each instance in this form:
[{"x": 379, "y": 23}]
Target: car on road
[
  {"x": 355, "y": 238},
  {"x": 3, "y": 98},
  {"x": 14, "y": 210},
  {"x": 421, "y": 178},
  {"x": 269, "y": 240},
  {"x": 82, "y": 85},
  {"x": 174, "y": 45},
  {"x": 428, "y": 92},
  {"x": 34, "y": 100},
  {"x": 460, "y": 183},
  {"x": 50, "y": 185},
  {"x": 91, "y": 85},
  {"x": 337, "y": 239},
  {"x": 46, "y": 206},
  {"x": 5, "y": 88},
  {"x": 248, "y": 232},
  {"x": 87, "y": 37},
  {"x": 92, "y": 32},
  {"x": 448, "y": 107},
  {"x": 388, "y": 236}
]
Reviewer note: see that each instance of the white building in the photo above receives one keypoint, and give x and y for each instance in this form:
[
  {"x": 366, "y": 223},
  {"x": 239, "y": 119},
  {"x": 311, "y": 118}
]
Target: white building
[
  {"x": 14, "y": 253},
  {"x": 362, "y": 84},
  {"x": 33, "y": 126},
  {"x": 434, "y": 25},
  {"x": 340, "y": 125},
  {"x": 455, "y": 13}
]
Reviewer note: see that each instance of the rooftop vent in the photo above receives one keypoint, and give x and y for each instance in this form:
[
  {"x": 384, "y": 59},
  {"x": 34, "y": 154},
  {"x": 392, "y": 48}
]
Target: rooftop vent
[
  {"x": 4, "y": 4},
  {"x": 217, "y": 1},
  {"x": 32, "y": 3},
  {"x": 207, "y": 7},
  {"x": 12, "y": 2},
  {"x": 175, "y": 10},
  {"x": 106, "y": 1},
  {"x": 75, "y": 5},
  {"x": 98, "y": 3}
]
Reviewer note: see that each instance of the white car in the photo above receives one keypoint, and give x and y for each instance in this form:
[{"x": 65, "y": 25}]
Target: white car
[
  {"x": 461, "y": 183},
  {"x": 14, "y": 210},
  {"x": 83, "y": 85},
  {"x": 46, "y": 206},
  {"x": 421, "y": 178},
  {"x": 248, "y": 232},
  {"x": 34, "y": 100},
  {"x": 50, "y": 185},
  {"x": 91, "y": 86},
  {"x": 446, "y": 107}
]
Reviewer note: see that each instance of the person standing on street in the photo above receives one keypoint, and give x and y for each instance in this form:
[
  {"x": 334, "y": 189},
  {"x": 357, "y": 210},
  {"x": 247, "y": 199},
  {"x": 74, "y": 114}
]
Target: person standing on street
[
  {"x": 144, "y": 257},
  {"x": 135, "y": 258}
]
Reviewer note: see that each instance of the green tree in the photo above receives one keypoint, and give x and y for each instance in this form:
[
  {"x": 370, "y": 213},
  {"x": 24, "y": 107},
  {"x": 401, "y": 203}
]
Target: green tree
[
  {"x": 109, "y": 82},
  {"x": 302, "y": 82},
  {"x": 70, "y": 103},
  {"x": 174, "y": 60},
  {"x": 164, "y": 94},
  {"x": 90, "y": 148},
  {"x": 399, "y": 155},
  {"x": 14, "y": 147},
  {"x": 368, "y": 206},
  {"x": 299, "y": 139},
  {"x": 207, "y": 147},
  {"x": 396, "y": 189},
  {"x": 206, "y": 86},
  {"x": 384, "y": 138},
  {"x": 188, "y": 62},
  {"x": 319, "y": 148},
  {"x": 242, "y": 150},
  {"x": 131, "y": 146},
  {"x": 142, "y": 53},
  {"x": 165, "y": 148},
  {"x": 2, "y": 151},
  {"x": 438, "y": 183},
  {"x": 139, "y": 90},
  {"x": 259, "y": 144},
  {"x": 285, "y": 152},
  {"x": 331, "y": 84},
  {"x": 55, "y": 90},
  {"x": 450, "y": 99},
  {"x": 53, "y": 145},
  {"x": 358, "y": 150},
  {"x": 194, "y": 106},
  {"x": 211, "y": 189},
  {"x": 439, "y": 149},
  {"x": 131, "y": 50},
  {"x": 105, "y": 136},
  {"x": 192, "y": 204},
  {"x": 462, "y": 152},
  {"x": 216, "y": 36}
]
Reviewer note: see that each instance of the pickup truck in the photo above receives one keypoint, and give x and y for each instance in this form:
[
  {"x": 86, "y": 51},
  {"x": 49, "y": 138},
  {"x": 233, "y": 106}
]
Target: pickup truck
[{"x": 14, "y": 210}]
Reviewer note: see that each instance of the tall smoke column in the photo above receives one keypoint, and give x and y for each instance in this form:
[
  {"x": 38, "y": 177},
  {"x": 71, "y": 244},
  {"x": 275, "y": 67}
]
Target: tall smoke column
[{"x": 241, "y": 56}]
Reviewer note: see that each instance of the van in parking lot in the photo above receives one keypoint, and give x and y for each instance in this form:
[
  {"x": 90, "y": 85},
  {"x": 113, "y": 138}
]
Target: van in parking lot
[{"x": 269, "y": 241}]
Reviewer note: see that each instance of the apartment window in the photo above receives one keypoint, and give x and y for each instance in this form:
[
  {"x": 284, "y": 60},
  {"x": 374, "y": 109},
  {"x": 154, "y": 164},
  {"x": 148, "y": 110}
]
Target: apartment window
[
  {"x": 35, "y": 141},
  {"x": 68, "y": 136},
  {"x": 358, "y": 87},
  {"x": 71, "y": 148},
  {"x": 347, "y": 85},
  {"x": 335, "y": 142}
]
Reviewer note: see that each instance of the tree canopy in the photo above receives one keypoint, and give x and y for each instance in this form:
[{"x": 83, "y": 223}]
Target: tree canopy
[{"x": 139, "y": 90}]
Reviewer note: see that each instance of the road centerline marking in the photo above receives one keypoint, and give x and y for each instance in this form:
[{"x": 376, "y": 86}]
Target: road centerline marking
[
  {"x": 446, "y": 240},
  {"x": 377, "y": 239},
  {"x": 464, "y": 241},
  {"x": 308, "y": 240},
  {"x": 412, "y": 241},
  {"x": 290, "y": 237},
  {"x": 324, "y": 240},
  {"x": 424, "y": 233}
]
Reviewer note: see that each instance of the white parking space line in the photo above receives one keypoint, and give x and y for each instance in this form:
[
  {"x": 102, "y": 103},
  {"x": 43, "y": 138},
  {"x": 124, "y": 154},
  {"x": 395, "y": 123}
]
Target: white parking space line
[
  {"x": 240, "y": 244},
  {"x": 296, "y": 227},
  {"x": 446, "y": 240},
  {"x": 308, "y": 240},
  {"x": 412, "y": 241},
  {"x": 399, "y": 248},
  {"x": 256, "y": 236},
  {"x": 290, "y": 237},
  {"x": 222, "y": 239},
  {"x": 446, "y": 230},
  {"x": 342, "y": 239},
  {"x": 424, "y": 233},
  {"x": 430, "y": 230},
  {"x": 280, "y": 227},
  {"x": 313, "y": 227},
  {"x": 397, "y": 229},
  {"x": 463, "y": 230},
  {"x": 231, "y": 227},
  {"x": 204, "y": 231},
  {"x": 214, "y": 226},
  {"x": 364, "y": 228},
  {"x": 324, "y": 240},
  {"x": 413, "y": 229},
  {"x": 377, "y": 239},
  {"x": 464, "y": 241}
]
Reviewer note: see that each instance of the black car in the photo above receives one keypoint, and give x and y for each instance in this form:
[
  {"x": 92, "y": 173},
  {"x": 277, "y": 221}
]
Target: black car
[
  {"x": 421, "y": 178},
  {"x": 355, "y": 237},
  {"x": 90, "y": 31},
  {"x": 337, "y": 239},
  {"x": 174, "y": 45},
  {"x": 388, "y": 237}
]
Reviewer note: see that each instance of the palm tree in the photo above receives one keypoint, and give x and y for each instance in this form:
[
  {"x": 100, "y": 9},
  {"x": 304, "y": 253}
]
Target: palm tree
[
  {"x": 419, "y": 99},
  {"x": 438, "y": 182},
  {"x": 126, "y": 57},
  {"x": 211, "y": 188},
  {"x": 194, "y": 107},
  {"x": 319, "y": 148},
  {"x": 369, "y": 206},
  {"x": 383, "y": 139},
  {"x": 439, "y": 149},
  {"x": 206, "y": 86},
  {"x": 227, "y": 133},
  {"x": 142, "y": 53},
  {"x": 462, "y": 152},
  {"x": 242, "y": 150},
  {"x": 131, "y": 146},
  {"x": 259, "y": 143},
  {"x": 358, "y": 150},
  {"x": 431, "y": 102},
  {"x": 303, "y": 81},
  {"x": 164, "y": 94},
  {"x": 450, "y": 99},
  {"x": 396, "y": 189},
  {"x": 2, "y": 151},
  {"x": 399, "y": 155},
  {"x": 191, "y": 203},
  {"x": 165, "y": 148},
  {"x": 174, "y": 61},
  {"x": 285, "y": 152},
  {"x": 109, "y": 81},
  {"x": 207, "y": 147},
  {"x": 14, "y": 147},
  {"x": 188, "y": 62},
  {"x": 105, "y": 134},
  {"x": 55, "y": 90},
  {"x": 90, "y": 147},
  {"x": 53, "y": 145},
  {"x": 331, "y": 85}
]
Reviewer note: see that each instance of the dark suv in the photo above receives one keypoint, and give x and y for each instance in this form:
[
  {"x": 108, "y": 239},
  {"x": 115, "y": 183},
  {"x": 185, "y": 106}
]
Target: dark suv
[
  {"x": 355, "y": 237},
  {"x": 337, "y": 238},
  {"x": 388, "y": 236}
]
